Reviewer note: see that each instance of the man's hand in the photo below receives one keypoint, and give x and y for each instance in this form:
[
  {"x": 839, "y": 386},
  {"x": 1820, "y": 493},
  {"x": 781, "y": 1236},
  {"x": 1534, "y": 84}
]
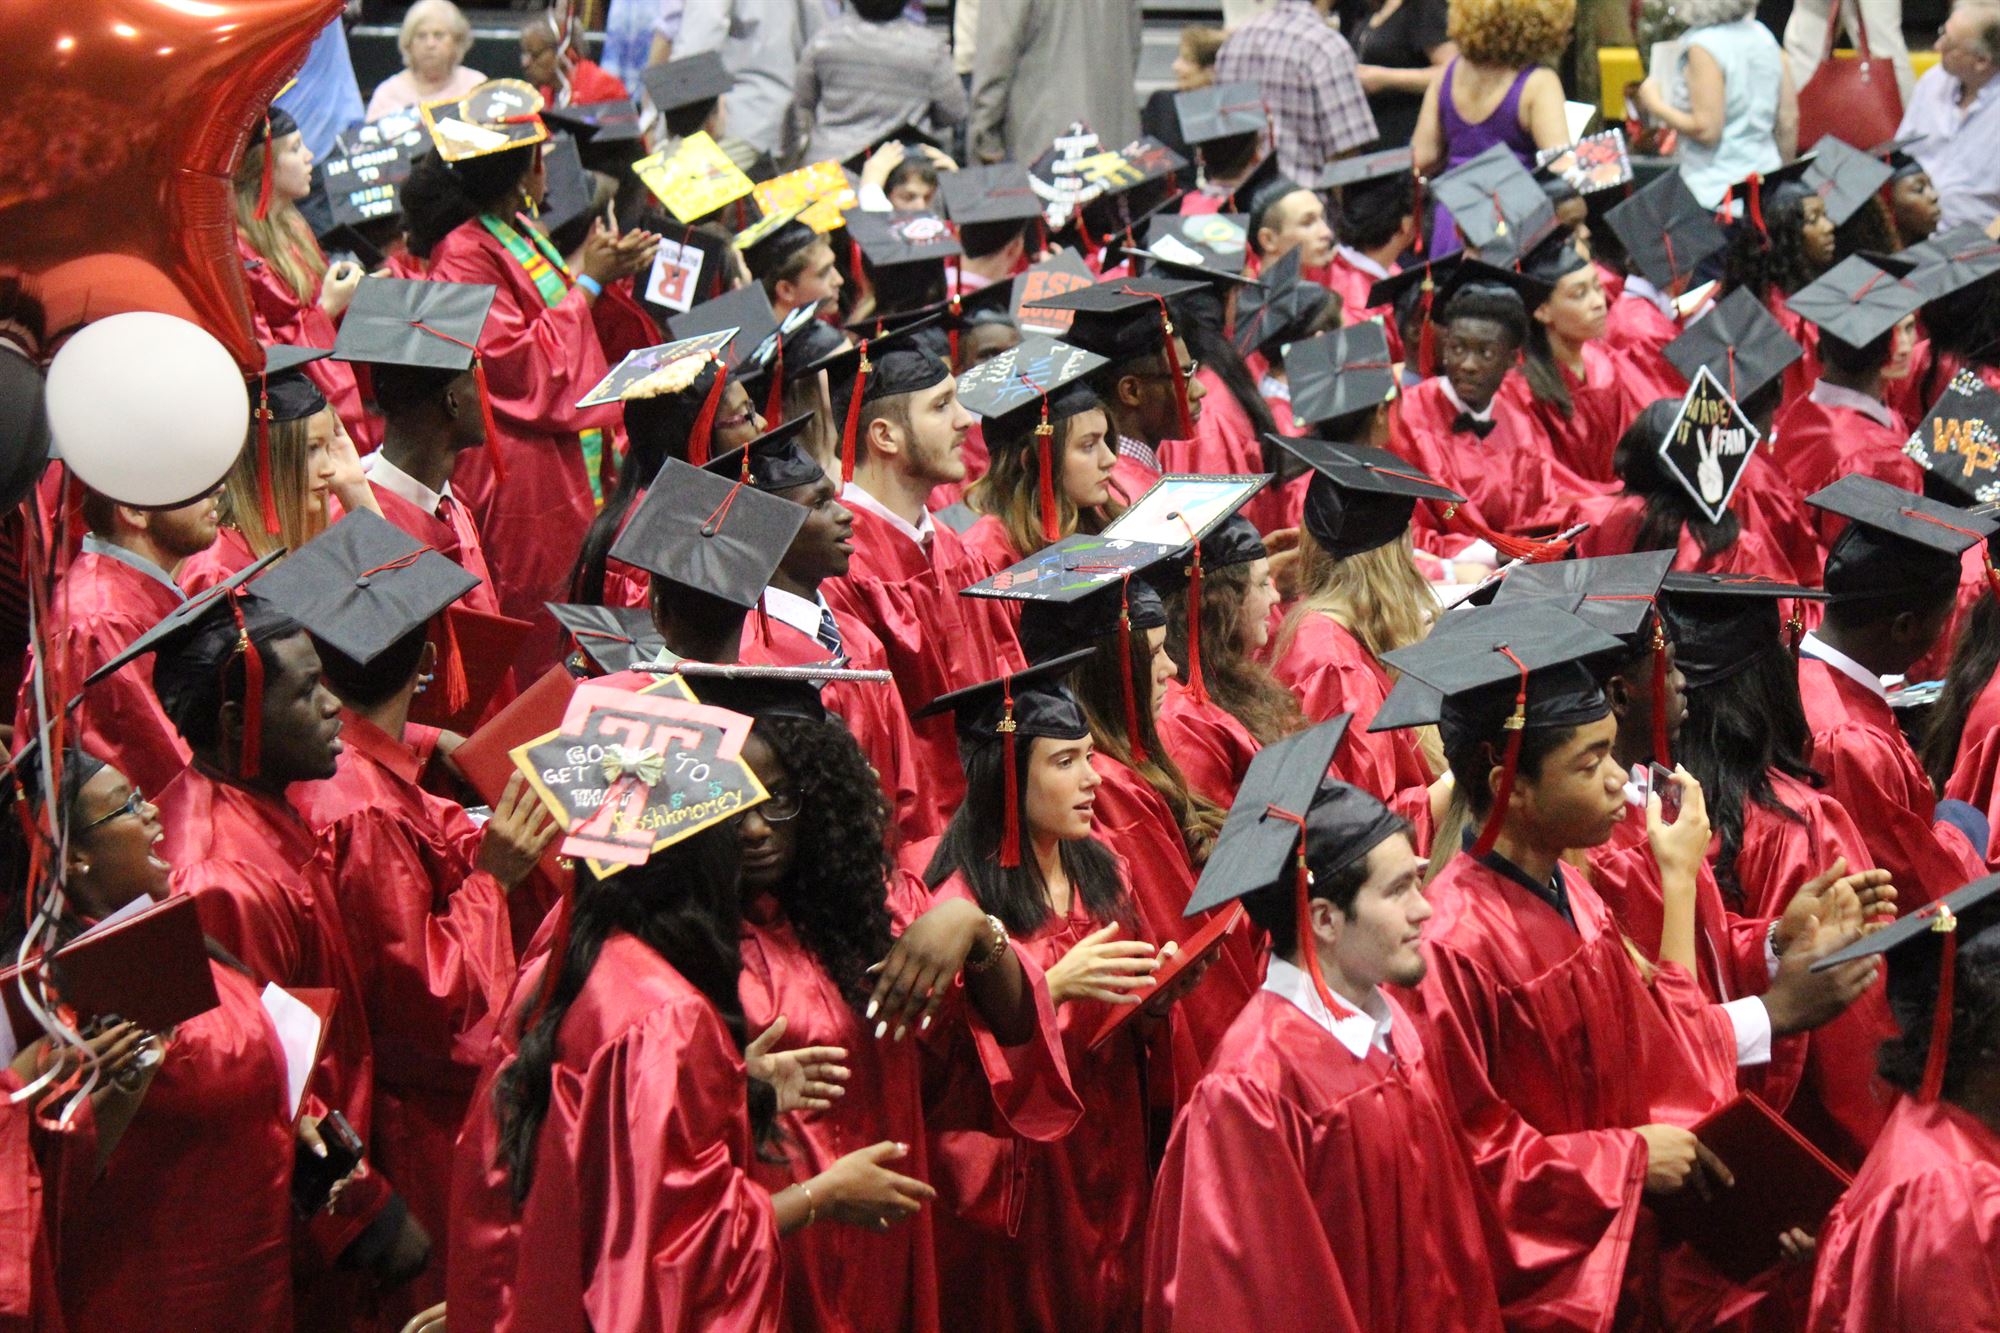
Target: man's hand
[
  {"x": 1679, "y": 847},
  {"x": 518, "y": 834},
  {"x": 1676, "y": 1160}
]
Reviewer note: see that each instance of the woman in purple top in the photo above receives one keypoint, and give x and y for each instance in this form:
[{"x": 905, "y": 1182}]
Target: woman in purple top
[{"x": 1498, "y": 90}]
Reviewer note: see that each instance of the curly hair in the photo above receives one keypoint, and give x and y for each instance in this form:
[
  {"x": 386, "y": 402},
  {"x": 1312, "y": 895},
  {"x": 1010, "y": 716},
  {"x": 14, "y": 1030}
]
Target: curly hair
[
  {"x": 1778, "y": 263},
  {"x": 1010, "y": 490},
  {"x": 1513, "y": 33},
  {"x": 834, "y": 894},
  {"x": 1243, "y": 686}
]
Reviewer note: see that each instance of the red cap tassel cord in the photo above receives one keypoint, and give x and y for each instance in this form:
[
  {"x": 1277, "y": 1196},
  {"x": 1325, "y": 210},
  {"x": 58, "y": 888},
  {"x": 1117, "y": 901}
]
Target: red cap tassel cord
[
  {"x": 1515, "y": 725},
  {"x": 1985, "y": 552},
  {"x": 1308, "y": 947},
  {"x": 264, "y": 184},
  {"x": 267, "y": 499},
  {"x": 1514, "y": 548},
  {"x": 1427, "y": 335},
  {"x": 1045, "y": 482},
  {"x": 774, "y": 399},
  {"x": 493, "y": 455},
  {"x": 853, "y": 416},
  {"x": 1661, "y": 754},
  {"x": 1131, "y": 693},
  {"x": 1755, "y": 198},
  {"x": 1010, "y": 835},
  {"x": 1946, "y": 925},
  {"x": 1173, "y": 364},
  {"x": 251, "y": 756},
  {"x": 704, "y": 422},
  {"x": 1197, "y": 690}
]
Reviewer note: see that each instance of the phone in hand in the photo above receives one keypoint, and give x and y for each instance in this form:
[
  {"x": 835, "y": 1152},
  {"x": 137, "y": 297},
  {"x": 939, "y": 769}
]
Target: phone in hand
[
  {"x": 313, "y": 1177},
  {"x": 1661, "y": 779}
]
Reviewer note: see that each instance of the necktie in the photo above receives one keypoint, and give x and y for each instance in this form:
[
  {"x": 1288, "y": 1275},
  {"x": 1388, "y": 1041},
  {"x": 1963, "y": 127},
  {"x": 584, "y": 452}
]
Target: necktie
[
  {"x": 1465, "y": 421},
  {"x": 829, "y": 630}
]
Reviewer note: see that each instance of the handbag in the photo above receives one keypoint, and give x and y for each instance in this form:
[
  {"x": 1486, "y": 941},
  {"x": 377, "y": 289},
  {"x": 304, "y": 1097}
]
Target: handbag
[{"x": 1853, "y": 98}]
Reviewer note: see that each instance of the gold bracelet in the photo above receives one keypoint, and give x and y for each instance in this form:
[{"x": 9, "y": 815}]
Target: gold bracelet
[
  {"x": 995, "y": 951},
  {"x": 812, "y": 1209}
]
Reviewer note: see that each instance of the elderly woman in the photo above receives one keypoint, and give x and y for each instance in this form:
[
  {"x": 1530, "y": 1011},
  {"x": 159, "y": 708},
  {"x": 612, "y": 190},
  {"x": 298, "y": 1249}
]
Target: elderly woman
[
  {"x": 434, "y": 39},
  {"x": 1731, "y": 101}
]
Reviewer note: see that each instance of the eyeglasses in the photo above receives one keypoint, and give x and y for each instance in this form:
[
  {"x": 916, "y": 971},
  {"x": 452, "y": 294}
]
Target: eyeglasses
[
  {"x": 131, "y": 806},
  {"x": 1189, "y": 368},
  {"x": 780, "y": 807}
]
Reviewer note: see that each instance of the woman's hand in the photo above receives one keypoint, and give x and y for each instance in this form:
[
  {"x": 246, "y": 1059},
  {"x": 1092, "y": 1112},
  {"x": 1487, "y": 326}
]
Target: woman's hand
[
  {"x": 860, "y": 1191},
  {"x": 1177, "y": 990},
  {"x": 350, "y": 480},
  {"x": 336, "y": 290},
  {"x": 1681, "y": 846},
  {"x": 1103, "y": 967},
  {"x": 1283, "y": 548},
  {"x": 514, "y": 839},
  {"x": 609, "y": 254},
  {"x": 913, "y": 980},
  {"x": 1856, "y": 904},
  {"x": 807, "y": 1078}
]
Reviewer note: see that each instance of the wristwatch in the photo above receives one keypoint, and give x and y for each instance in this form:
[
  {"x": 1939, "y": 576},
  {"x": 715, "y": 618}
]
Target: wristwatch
[{"x": 995, "y": 951}]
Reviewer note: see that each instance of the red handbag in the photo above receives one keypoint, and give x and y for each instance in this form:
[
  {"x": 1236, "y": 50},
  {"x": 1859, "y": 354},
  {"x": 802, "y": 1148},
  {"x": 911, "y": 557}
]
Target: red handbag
[{"x": 1853, "y": 98}]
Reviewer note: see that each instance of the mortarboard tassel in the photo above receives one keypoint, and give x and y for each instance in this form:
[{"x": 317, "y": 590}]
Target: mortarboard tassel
[
  {"x": 1010, "y": 834},
  {"x": 493, "y": 456},
  {"x": 704, "y": 422},
  {"x": 263, "y": 210},
  {"x": 1417, "y": 211},
  {"x": 774, "y": 400},
  {"x": 1308, "y": 947},
  {"x": 853, "y": 420},
  {"x": 1125, "y": 668},
  {"x": 1173, "y": 363},
  {"x": 267, "y": 500},
  {"x": 250, "y": 757},
  {"x": 1426, "y": 333},
  {"x": 1944, "y": 924},
  {"x": 1661, "y": 755},
  {"x": 1514, "y": 548},
  {"x": 1795, "y": 629},
  {"x": 457, "y": 692},
  {"x": 1045, "y": 485},
  {"x": 1754, "y": 198},
  {"x": 951, "y": 331},
  {"x": 1196, "y": 689},
  {"x": 1516, "y": 724}
]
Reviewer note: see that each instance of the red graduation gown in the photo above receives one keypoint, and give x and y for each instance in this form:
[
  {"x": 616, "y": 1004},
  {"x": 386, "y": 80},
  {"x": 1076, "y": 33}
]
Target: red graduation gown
[
  {"x": 1554, "y": 1049},
  {"x": 1872, "y": 771},
  {"x": 29, "y": 1299},
  {"x": 1212, "y": 749},
  {"x": 1614, "y": 530},
  {"x": 643, "y": 1215},
  {"x": 1132, "y": 477},
  {"x": 1512, "y": 480},
  {"x": 1352, "y": 285},
  {"x": 1602, "y": 405},
  {"x": 452, "y": 534},
  {"x": 193, "y": 1213},
  {"x": 1636, "y": 327},
  {"x": 1911, "y": 1246},
  {"x": 1818, "y": 445},
  {"x": 1973, "y": 776},
  {"x": 205, "y": 569},
  {"x": 539, "y": 360},
  {"x": 433, "y": 947},
  {"x": 1803, "y": 373},
  {"x": 100, "y": 605},
  {"x": 988, "y": 545},
  {"x": 1306, "y": 1188},
  {"x": 282, "y": 318},
  {"x": 954, "y": 1076},
  {"x": 1225, "y": 443}
]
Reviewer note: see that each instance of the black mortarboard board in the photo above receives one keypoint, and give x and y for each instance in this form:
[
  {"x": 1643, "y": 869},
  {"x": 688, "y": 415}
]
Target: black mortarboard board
[
  {"x": 195, "y": 644},
  {"x": 594, "y": 123},
  {"x": 1259, "y": 849},
  {"x": 1009, "y": 389},
  {"x": 1958, "y": 258},
  {"x": 1080, "y": 592},
  {"x": 285, "y": 391},
  {"x": 1247, "y": 189},
  {"x": 1708, "y": 445},
  {"x": 1844, "y": 177},
  {"x": 1721, "y": 624},
  {"x": 777, "y": 462},
  {"x": 1616, "y": 593},
  {"x": 1855, "y": 301},
  {"x": 1280, "y": 308},
  {"x": 1475, "y": 272},
  {"x": 1897, "y": 544},
  {"x": 771, "y": 240},
  {"x": 1896, "y": 153},
  {"x": 1492, "y": 197},
  {"x": 1665, "y": 230},
  {"x": 1389, "y": 164},
  {"x": 170, "y": 627},
  {"x": 898, "y": 363},
  {"x": 1340, "y": 372},
  {"x": 571, "y": 190},
  {"x": 789, "y": 691},
  {"x": 1780, "y": 184},
  {"x": 990, "y": 304},
  {"x": 975, "y": 195},
  {"x": 906, "y": 134},
  {"x": 799, "y": 343},
  {"x": 688, "y": 81},
  {"x": 1956, "y": 443},
  {"x": 497, "y": 116},
  {"x": 1477, "y": 683},
  {"x": 275, "y": 123},
  {"x": 888, "y": 240},
  {"x": 615, "y": 638},
  {"x": 1118, "y": 318},
  {"x": 1220, "y": 111},
  {"x": 1739, "y": 341},
  {"x": 1199, "y": 247},
  {"x": 747, "y": 310},
  {"x": 1387, "y": 291},
  {"x": 657, "y": 372},
  {"x": 709, "y": 533},
  {"x": 345, "y": 241},
  {"x": 363, "y": 584},
  {"x": 1359, "y": 498},
  {"x": 364, "y": 186},
  {"x": 1554, "y": 258},
  {"x": 386, "y": 323}
]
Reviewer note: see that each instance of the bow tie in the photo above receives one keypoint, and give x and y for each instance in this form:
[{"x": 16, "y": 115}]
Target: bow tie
[{"x": 1465, "y": 421}]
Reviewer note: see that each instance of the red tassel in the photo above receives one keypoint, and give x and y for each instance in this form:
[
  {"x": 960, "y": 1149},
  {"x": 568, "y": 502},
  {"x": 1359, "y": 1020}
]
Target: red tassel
[
  {"x": 267, "y": 499},
  {"x": 1756, "y": 206},
  {"x": 1010, "y": 836},
  {"x": 1933, "y": 1084},
  {"x": 1302, "y": 898},
  {"x": 774, "y": 400},
  {"x": 1514, "y": 548},
  {"x": 704, "y": 422},
  {"x": 251, "y": 754},
  {"x": 558, "y": 950},
  {"x": 264, "y": 184},
  {"x": 1125, "y": 670},
  {"x": 1661, "y": 755},
  {"x": 1046, "y": 483},
  {"x": 457, "y": 693},
  {"x": 1516, "y": 725},
  {"x": 1173, "y": 365},
  {"x": 1417, "y": 210},
  {"x": 853, "y": 416}
]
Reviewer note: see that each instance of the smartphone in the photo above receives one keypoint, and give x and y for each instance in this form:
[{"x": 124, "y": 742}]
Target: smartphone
[
  {"x": 1661, "y": 779},
  {"x": 313, "y": 1178}
]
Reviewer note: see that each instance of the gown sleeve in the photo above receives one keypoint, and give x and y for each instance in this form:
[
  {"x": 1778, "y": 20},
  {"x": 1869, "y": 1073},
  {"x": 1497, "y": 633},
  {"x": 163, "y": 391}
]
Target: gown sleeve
[
  {"x": 1926, "y": 860},
  {"x": 1889, "y": 1267}
]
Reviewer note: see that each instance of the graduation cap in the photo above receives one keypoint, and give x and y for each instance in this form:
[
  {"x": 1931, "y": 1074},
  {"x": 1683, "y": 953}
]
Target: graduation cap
[
  {"x": 1388, "y": 165},
  {"x": 886, "y": 365},
  {"x": 774, "y": 461},
  {"x": 197, "y": 642},
  {"x": 906, "y": 134},
  {"x": 983, "y": 195},
  {"x": 1855, "y": 302},
  {"x": 1956, "y": 443},
  {"x": 611, "y": 638},
  {"x": 1898, "y": 545},
  {"x": 423, "y": 323},
  {"x": 694, "y": 178},
  {"x": 688, "y": 81},
  {"x": 789, "y": 353},
  {"x": 1493, "y": 197},
  {"x": 1121, "y": 189},
  {"x": 747, "y": 310},
  {"x": 771, "y": 240},
  {"x": 1199, "y": 247},
  {"x": 1499, "y": 671},
  {"x": 689, "y": 365},
  {"x": 1556, "y": 257},
  {"x": 498, "y": 115},
  {"x": 888, "y": 240},
  {"x": 1220, "y": 111},
  {"x": 1125, "y": 318},
  {"x": 1340, "y": 373},
  {"x": 572, "y": 192},
  {"x": 1280, "y": 308},
  {"x": 763, "y": 692},
  {"x": 284, "y": 393},
  {"x": 1032, "y": 386},
  {"x": 1359, "y": 498},
  {"x": 1957, "y": 259},
  {"x": 1844, "y": 177},
  {"x": 275, "y": 125},
  {"x": 1739, "y": 342},
  {"x": 176, "y": 623},
  {"x": 1896, "y": 153},
  {"x": 1476, "y": 272},
  {"x": 1594, "y": 163},
  {"x": 361, "y": 186},
  {"x": 709, "y": 533},
  {"x": 1922, "y": 948},
  {"x": 594, "y": 123},
  {"x": 1708, "y": 445},
  {"x": 1666, "y": 232},
  {"x": 1722, "y": 624},
  {"x": 1431, "y": 277}
]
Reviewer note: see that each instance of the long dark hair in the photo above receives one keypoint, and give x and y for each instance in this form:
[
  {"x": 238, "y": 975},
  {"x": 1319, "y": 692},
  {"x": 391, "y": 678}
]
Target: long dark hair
[
  {"x": 1198, "y": 319},
  {"x": 1539, "y": 368},
  {"x": 1913, "y": 994},
  {"x": 1668, "y": 505},
  {"x": 834, "y": 895},
  {"x": 1240, "y": 684},
  {"x": 438, "y": 198},
  {"x": 682, "y": 904},
  {"x": 1973, "y": 659},
  {"x": 971, "y": 845},
  {"x": 1759, "y": 262},
  {"x": 1739, "y": 730},
  {"x": 656, "y": 429},
  {"x": 1011, "y": 488}
]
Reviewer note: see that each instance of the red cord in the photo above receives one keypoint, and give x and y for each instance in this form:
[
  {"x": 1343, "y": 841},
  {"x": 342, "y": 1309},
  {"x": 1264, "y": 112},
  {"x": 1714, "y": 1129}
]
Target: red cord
[
  {"x": 1308, "y": 947},
  {"x": 1516, "y": 725},
  {"x": 847, "y": 445},
  {"x": 493, "y": 456},
  {"x": 704, "y": 424},
  {"x": 1933, "y": 1084}
]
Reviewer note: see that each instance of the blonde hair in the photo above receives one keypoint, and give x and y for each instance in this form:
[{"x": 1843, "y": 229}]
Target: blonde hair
[
  {"x": 1011, "y": 487},
  {"x": 1201, "y": 45},
  {"x": 454, "y": 21},
  {"x": 281, "y": 238},
  {"x": 242, "y": 506},
  {"x": 1511, "y": 33}
]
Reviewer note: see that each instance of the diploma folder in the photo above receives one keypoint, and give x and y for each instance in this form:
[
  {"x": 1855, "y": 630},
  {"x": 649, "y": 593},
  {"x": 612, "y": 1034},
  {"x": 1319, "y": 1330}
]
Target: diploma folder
[
  {"x": 151, "y": 969},
  {"x": 1204, "y": 943},
  {"x": 1782, "y": 1181}
]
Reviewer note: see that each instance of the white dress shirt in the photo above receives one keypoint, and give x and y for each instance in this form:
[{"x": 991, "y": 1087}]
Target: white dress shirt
[
  {"x": 401, "y": 484},
  {"x": 1838, "y": 395},
  {"x": 854, "y": 497},
  {"x": 1358, "y": 1029}
]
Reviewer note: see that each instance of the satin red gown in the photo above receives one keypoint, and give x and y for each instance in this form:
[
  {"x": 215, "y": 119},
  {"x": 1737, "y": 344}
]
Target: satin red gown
[
  {"x": 1636, "y": 327},
  {"x": 453, "y": 535},
  {"x": 229, "y": 555},
  {"x": 1973, "y": 776},
  {"x": 1512, "y": 479},
  {"x": 30, "y": 1301},
  {"x": 643, "y": 1214},
  {"x": 1602, "y": 405},
  {"x": 1822, "y": 444},
  {"x": 1212, "y": 749},
  {"x": 1615, "y": 521},
  {"x": 100, "y": 605},
  {"x": 956, "y": 1076},
  {"x": 1304, "y": 1188},
  {"x": 282, "y": 318},
  {"x": 1911, "y": 1246}
]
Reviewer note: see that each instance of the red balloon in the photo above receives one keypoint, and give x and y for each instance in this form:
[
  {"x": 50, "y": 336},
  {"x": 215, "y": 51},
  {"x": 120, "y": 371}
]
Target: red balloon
[{"x": 122, "y": 126}]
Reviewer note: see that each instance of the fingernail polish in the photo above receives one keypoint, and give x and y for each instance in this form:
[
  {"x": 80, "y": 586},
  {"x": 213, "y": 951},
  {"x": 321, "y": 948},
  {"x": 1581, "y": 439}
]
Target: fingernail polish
[
  {"x": 873, "y": 1005},
  {"x": 926, "y": 1024},
  {"x": 901, "y": 1028},
  {"x": 881, "y": 1028}
]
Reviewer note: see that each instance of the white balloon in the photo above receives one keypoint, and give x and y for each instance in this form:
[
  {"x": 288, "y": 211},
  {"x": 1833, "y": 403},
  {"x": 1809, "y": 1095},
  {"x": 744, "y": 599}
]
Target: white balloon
[{"x": 147, "y": 408}]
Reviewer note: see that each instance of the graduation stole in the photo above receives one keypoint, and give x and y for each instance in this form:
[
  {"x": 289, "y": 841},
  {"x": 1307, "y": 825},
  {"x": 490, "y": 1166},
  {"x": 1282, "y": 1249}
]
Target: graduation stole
[{"x": 539, "y": 260}]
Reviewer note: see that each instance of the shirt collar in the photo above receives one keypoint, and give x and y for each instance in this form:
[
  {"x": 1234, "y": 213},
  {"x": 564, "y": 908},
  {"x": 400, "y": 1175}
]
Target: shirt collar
[
  {"x": 1828, "y": 394},
  {"x": 1815, "y": 647},
  {"x": 1272, "y": 387},
  {"x": 363, "y": 737},
  {"x": 1140, "y": 450},
  {"x": 1555, "y": 892},
  {"x": 96, "y": 545},
  {"x": 1451, "y": 396},
  {"x": 400, "y": 483},
  {"x": 853, "y": 496},
  {"x": 1636, "y": 285},
  {"x": 788, "y": 608},
  {"x": 1356, "y": 260},
  {"x": 1359, "y": 1030}
]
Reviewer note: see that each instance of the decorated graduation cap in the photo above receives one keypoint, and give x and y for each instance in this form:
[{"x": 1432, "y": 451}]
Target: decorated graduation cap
[
  {"x": 1722, "y": 624},
  {"x": 1042, "y": 380},
  {"x": 746, "y": 311},
  {"x": 1897, "y": 545},
  {"x": 1492, "y": 198},
  {"x": 1197, "y": 247},
  {"x": 1280, "y": 309},
  {"x": 1954, "y": 260},
  {"x": 1739, "y": 342},
  {"x": 407, "y": 322},
  {"x": 1209, "y": 518},
  {"x": 1855, "y": 301},
  {"x": 891, "y": 240},
  {"x": 688, "y": 81},
  {"x": 1122, "y": 319},
  {"x": 773, "y": 239},
  {"x": 1340, "y": 373},
  {"x": 886, "y": 365},
  {"x": 1031, "y": 702},
  {"x": 1958, "y": 442},
  {"x": 1666, "y": 231},
  {"x": 197, "y": 643},
  {"x": 788, "y": 353},
  {"x": 1359, "y": 497},
  {"x": 498, "y": 115},
  {"x": 1708, "y": 445},
  {"x": 1501, "y": 671},
  {"x": 1121, "y": 189},
  {"x": 284, "y": 393},
  {"x": 684, "y": 366},
  {"x": 713, "y": 534},
  {"x": 610, "y": 639},
  {"x": 1844, "y": 177},
  {"x": 987, "y": 195},
  {"x": 1922, "y": 949},
  {"x": 774, "y": 461}
]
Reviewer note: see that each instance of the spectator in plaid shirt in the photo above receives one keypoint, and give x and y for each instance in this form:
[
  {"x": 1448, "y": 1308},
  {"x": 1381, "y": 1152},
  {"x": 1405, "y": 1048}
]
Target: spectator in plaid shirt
[{"x": 1306, "y": 70}]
